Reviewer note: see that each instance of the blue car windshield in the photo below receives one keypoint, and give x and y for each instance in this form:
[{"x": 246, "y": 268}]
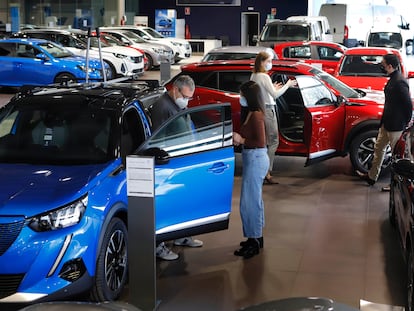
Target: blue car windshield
[
  {"x": 55, "y": 50},
  {"x": 57, "y": 134}
]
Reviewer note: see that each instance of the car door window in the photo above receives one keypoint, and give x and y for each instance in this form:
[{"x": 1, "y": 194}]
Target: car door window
[
  {"x": 231, "y": 81},
  {"x": 297, "y": 52},
  {"x": 328, "y": 53},
  {"x": 25, "y": 50},
  {"x": 7, "y": 49},
  {"x": 314, "y": 92},
  {"x": 133, "y": 132},
  {"x": 195, "y": 130}
]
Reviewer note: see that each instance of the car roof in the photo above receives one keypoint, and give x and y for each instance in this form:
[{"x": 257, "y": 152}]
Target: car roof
[
  {"x": 25, "y": 40},
  {"x": 288, "y": 21},
  {"x": 371, "y": 51},
  {"x": 310, "y": 42},
  {"x": 49, "y": 30},
  {"x": 113, "y": 93},
  {"x": 239, "y": 49},
  {"x": 242, "y": 65}
]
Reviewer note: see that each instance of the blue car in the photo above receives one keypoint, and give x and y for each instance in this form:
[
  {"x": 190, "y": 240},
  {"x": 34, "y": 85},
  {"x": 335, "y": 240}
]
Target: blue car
[
  {"x": 41, "y": 62},
  {"x": 64, "y": 203}
]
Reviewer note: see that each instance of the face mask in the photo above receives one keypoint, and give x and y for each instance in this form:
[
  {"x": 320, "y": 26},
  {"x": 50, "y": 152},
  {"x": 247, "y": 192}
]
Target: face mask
[
  {"x": 268, "y": 66},
  {"x": 182, "y": 102},
  {"x": 243, "y": 101}
]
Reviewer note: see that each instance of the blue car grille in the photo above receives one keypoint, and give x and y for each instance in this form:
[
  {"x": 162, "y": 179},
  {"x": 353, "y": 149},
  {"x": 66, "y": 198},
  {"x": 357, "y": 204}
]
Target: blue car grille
[
  {"x": 8, "y": 234},
  {"x": 9, "y": 283}
]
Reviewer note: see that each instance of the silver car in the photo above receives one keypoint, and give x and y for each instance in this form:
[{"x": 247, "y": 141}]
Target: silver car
[
  {"x": 236, "y": 52},
  {"x": 156, "y": 53}
]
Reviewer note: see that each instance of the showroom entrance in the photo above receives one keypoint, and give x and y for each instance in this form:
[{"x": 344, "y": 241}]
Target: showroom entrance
[{"x": 249, "y": 27}]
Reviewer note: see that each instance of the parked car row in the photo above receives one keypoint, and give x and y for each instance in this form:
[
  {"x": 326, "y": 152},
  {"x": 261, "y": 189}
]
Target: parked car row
[
  {"x": 121, "y": 61},
  {"x": 319, "y": 119}
]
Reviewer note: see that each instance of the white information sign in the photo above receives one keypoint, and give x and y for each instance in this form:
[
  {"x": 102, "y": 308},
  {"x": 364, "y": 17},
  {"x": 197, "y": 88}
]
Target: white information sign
[{"x": 140, "y": 176}]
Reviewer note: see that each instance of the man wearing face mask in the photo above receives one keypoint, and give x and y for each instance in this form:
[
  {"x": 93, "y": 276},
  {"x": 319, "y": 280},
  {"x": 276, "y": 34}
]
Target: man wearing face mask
[
  {"x": 395, "y": 118},
  {"x": 170, "y": 103}
]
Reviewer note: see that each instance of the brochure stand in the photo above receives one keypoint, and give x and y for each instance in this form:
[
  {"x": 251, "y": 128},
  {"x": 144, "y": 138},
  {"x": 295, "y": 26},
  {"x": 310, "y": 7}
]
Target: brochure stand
[{"x": 141, "y": 232}]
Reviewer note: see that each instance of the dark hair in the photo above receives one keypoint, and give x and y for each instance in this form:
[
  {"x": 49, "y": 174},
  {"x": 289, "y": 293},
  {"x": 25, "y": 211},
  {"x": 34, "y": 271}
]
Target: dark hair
[
  {"x": 253, "y": 94},
  {"x": 260, "y": 57},
  {"x": 392, "y": 59}
]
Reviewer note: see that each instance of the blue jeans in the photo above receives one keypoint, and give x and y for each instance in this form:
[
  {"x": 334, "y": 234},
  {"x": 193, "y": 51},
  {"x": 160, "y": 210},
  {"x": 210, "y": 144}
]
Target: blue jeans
[{"x": 255, "y": 167}]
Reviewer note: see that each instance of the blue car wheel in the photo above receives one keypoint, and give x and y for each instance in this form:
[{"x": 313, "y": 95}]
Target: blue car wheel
[
  {"x": 112, "y": 264},
  {"x": 65, "y": 77}
]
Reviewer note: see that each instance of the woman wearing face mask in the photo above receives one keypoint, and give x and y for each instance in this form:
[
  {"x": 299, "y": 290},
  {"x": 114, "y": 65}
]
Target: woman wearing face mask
[
  {"x": 165, "y": 107},
  {"x": 255, "y": 167},
  {"x": 271, "y": 91}
]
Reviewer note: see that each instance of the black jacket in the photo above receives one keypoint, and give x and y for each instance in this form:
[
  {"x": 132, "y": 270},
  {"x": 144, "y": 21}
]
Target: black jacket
[{"x": 398, "y": 106}]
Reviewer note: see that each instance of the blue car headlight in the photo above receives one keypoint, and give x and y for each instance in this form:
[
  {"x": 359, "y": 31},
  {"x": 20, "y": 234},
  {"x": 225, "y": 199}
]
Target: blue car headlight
[
  {"x": 83, "y": 68},
  {"x": 63, "y": 217}
]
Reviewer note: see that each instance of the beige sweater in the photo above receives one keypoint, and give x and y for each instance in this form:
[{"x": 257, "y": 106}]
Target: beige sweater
[{"x": 269, "y": 91}]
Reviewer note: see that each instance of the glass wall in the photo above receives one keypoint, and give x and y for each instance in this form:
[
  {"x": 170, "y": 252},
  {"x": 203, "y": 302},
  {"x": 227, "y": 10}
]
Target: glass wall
[{"x": 68, "y": 13}]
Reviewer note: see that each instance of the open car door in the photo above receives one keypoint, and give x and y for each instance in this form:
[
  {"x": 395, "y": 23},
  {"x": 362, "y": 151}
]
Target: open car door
[
  {"x": 194, "y": 171},
  {"x": 324, "y": 119}
]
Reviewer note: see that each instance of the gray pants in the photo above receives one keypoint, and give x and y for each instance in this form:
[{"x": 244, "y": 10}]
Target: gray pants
[{"x": 272, "y": 133}]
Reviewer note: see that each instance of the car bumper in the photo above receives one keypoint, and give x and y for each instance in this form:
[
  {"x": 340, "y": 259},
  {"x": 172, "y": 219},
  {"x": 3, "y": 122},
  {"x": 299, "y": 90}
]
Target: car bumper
[{"x": 39, "y": 265}]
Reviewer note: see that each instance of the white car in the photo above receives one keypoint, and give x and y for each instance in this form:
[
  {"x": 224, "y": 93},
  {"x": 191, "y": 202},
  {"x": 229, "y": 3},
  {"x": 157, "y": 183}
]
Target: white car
[
  {"x": 181, "y": 47},
  {"x": 121, "y": 60},
  {"x": 155, "y": 52}
]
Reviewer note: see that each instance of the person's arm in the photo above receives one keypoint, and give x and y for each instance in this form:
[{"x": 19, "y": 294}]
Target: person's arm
[
  {"x": 406, "y": 100},
  {"x": 272, "y": 89}
]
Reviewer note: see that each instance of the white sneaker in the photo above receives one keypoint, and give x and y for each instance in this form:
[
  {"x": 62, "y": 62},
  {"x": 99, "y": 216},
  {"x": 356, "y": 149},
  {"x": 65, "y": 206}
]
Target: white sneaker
[
  {"x": 165, "y": 253},
  {"x": 188, "y": 241}
]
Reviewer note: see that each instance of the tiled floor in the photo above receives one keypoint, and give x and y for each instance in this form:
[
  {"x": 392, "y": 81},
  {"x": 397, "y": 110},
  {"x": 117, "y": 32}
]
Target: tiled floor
[{"x": 326, "y": 235}]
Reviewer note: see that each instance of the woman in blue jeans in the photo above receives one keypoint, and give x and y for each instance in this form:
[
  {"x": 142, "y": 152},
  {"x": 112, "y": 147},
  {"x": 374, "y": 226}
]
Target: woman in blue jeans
[{"x": 252, "y": 137}]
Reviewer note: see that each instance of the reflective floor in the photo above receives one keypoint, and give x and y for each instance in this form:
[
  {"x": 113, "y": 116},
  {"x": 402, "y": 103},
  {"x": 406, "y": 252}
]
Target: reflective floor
[{"x": 327, "y": 234}]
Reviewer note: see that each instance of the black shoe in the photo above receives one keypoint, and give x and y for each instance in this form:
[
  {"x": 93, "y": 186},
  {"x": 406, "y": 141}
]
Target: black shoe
[
  {"x": 243, "y": 243},
  {"x": 364, "y": 176},
  {"x": 386, "y": 188},
  {"x": 250, "y": 249}
]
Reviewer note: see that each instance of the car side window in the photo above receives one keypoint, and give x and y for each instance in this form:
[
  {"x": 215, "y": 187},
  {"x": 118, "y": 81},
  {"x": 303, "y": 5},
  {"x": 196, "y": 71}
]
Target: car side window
[
  {"x": 7, "y": 49},
  {"x": 297, "y": 52},
  {"x": 231, "y": 81},
  {"x": 328, "y": 53},
  {"x": 194, "y": 131},
  {"x": 133, "y": 134},
  {"x": 25, "y": 50},
  {"x": 314, "y": 92}
]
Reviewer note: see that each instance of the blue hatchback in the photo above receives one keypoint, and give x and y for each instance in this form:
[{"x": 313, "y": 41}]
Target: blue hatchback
[
  {"x": 40, "y": 62},
  {"x": 63, "y": 212}
]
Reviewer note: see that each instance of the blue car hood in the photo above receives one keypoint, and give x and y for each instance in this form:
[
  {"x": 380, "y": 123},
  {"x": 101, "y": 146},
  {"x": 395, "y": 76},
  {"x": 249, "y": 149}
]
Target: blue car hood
[
  {"x": 81, "y": 61},
  {"x": 33, "y": 189}
]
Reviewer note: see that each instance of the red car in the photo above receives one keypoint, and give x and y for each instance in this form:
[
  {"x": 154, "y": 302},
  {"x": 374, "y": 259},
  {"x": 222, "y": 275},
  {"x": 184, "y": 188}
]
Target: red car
[
  {"x": 319, "y": 119},
  {"x": 359, "y": 67},
  {"x": 326, "y": 55}
]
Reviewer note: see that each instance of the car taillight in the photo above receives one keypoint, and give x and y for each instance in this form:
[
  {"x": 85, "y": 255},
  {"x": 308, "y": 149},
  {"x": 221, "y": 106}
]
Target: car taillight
[{"x": 346, "y": 32}]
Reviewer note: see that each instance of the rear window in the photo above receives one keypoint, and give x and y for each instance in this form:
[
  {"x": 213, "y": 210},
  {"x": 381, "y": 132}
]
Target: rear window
[
  {"x": 368, "y": 65},
  {"x": 385, "y": 39},
  {"x": 285, "y": 32}
]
